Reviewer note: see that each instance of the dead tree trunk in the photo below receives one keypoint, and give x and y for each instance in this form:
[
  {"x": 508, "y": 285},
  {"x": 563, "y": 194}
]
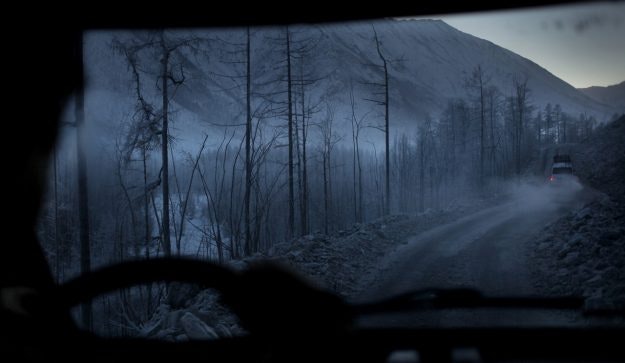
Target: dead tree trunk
[
  {"x": 146, "y": 221},
  {"x": 326, "y": 194},
  {"x": 302, "y": 161},
  {"x": 521, "y": 103},
  {"x": 357, "y": 165},
  {"x": 387, "y": 180},
  {"x": 304, "y": 208},
  {"x": 164, "y": 147},
  {"x": 385, "y": 102},
  {"x": 329, "y": 139},
  {"x": 249, "y": 246},
  {"x": 482, "y": 126},
  {"x": 291, "y": 232}
]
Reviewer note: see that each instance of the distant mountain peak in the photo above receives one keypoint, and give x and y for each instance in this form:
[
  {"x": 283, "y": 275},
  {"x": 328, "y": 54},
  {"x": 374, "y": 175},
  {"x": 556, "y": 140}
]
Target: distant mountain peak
[
  {"x": 616, "y": 85},
  {"x": 613, "y": 95}
]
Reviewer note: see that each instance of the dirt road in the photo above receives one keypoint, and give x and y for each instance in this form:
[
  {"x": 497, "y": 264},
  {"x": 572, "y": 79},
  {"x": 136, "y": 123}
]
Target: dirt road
[{"x": 486, "y": 250}]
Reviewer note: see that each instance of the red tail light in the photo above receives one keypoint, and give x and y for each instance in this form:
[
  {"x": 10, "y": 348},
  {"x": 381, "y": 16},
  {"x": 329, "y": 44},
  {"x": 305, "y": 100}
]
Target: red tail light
[{"x": 552, "y": 178}]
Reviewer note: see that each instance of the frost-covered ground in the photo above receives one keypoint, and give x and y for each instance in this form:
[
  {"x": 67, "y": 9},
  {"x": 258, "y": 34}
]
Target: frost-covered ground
[{"x": 583, "y": 253}]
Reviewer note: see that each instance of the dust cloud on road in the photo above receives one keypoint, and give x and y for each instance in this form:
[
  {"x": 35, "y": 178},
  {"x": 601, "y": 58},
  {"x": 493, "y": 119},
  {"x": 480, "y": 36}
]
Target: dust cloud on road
[{"x": 486, "y": 251}]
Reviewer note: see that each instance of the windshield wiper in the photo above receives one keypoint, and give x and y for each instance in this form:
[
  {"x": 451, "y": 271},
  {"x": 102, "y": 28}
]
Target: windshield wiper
[{"x": 464, "y": 298}]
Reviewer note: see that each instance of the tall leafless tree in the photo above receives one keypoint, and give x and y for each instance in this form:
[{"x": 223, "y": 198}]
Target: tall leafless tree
[
  {"x": 329, "y": 139},
  {"x": 384, "y": 102},
  {"x": 520, "y": 102},
  {"x": 248, "y": 143},
  {"x": 357, "y": 124},
  {"x": 478, "y": 82},
  {"x": 387, "y": 179}
]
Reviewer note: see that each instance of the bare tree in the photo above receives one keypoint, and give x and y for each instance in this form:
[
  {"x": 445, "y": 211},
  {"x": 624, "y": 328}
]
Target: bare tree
[
  {"x": 492, "y": 95},
  {"x": 184, "y": 203},
  {"x": 386, "y": 126},
  {"x": 291, "y": 231},
  {"x": 357, "y": 126},
  {"x": 548, "y": 115},
  {"x": 384, "y": 102},
  {"x": 264, "y": 186},
  {"x": 520, "y": 102},
  {"x": 302, "y": 52},
  {"x": 248, "y": 144},
  {"x": 329, "y": 140},
  {"x": 143, "y": 133},
  {"x": 167, "y": 48},
  {"x": 479, "y": 82}
]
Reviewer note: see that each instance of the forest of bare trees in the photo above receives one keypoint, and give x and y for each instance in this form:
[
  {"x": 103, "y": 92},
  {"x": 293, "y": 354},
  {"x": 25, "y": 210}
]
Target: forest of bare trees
[{"x": 290, "y": 164}]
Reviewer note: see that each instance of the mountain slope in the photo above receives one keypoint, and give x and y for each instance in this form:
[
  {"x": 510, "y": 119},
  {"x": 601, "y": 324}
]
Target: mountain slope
[
  {"x": 435, "y": 60},
  {"x": 611, "y": 95},
  {"x": 429, "y": 63}
]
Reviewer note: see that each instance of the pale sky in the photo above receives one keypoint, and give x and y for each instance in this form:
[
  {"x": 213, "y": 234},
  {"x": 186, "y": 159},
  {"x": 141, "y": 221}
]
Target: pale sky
[{"x": 582, "y": 44}]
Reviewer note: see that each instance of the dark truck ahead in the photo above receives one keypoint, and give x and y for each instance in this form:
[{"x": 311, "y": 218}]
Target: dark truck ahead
[{"x": 562, "y": 170}]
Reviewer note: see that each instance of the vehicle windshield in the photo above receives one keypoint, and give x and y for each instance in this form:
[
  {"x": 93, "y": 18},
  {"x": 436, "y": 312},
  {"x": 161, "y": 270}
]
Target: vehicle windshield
[
  {"x": 372, "y": 158},
  {"x": 562, "y": 170}
]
